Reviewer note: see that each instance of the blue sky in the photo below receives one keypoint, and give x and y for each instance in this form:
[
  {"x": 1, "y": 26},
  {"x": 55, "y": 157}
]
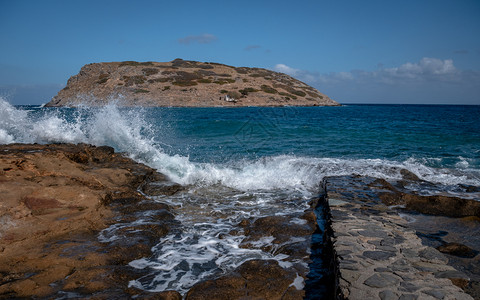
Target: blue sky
[{"x": 354, "y": 51}]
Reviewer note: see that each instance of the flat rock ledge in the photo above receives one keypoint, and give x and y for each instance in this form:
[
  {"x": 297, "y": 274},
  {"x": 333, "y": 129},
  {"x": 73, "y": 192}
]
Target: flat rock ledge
[
  {"x": 68, "y": 214},
  {"x": 378, "y": 255}
]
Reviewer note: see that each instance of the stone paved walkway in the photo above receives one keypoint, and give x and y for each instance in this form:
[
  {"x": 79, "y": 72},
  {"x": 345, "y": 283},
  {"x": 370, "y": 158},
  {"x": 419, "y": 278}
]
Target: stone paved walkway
[{"x": 379, "y": 256}]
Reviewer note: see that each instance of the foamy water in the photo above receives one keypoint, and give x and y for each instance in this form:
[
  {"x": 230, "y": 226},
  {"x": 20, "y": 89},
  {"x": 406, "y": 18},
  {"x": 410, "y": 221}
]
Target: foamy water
[
  {"x": 222, "y": 192},
  {"x": 206, "y": 245},
  {"x": 127, "y": 131}
]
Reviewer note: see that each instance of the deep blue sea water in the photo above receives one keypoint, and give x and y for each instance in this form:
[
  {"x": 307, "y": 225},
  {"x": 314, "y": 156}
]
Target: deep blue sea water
[{"x": 254, "y": 161}]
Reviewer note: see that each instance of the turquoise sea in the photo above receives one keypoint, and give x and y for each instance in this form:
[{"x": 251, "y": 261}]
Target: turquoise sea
[{"x": 258, "y": 161}]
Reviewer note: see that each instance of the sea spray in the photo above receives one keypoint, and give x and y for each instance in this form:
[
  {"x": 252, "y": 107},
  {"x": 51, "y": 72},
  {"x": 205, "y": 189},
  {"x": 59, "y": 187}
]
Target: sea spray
[
  {"x": 246, "y": 164},
  {"x": 138, "y": 132},
  {"x": 12, "y": 123}
]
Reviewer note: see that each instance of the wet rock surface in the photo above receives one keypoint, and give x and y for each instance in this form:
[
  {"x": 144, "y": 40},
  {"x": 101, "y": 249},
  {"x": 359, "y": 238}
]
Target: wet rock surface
[
  {"x": 440, "y": 205},
  {"x": 254, "y": 279},
  {"x": 305, "y": 272},
  {"x": 91, "y": 214},
  {"x": 74, "y": 216},
  {"x": 289, "y": 235},
  {"x": 458, "y": 250},
  {"x": 56, "y": 201},
  {"x": 380, "y": 255}
]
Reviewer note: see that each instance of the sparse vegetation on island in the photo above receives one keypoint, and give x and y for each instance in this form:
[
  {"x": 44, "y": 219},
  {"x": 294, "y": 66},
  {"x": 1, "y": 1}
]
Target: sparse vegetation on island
[{"x": 186, "y": 83}]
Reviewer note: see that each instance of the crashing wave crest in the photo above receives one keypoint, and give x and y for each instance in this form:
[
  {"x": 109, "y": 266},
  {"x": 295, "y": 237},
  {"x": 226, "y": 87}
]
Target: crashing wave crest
[{"x": 126, "y": 130}]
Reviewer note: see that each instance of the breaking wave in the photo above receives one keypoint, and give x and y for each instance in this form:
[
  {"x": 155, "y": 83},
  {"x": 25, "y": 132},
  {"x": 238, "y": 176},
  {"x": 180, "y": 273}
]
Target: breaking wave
[
  {"x": 218, "y": 195},
  {"x": 127, "y": 131}
]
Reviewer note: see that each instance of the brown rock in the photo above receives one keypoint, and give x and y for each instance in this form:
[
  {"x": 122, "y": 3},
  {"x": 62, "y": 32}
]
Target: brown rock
[
  {"x": 282, "y": 229},
  {"x": 144, "y": 295},
  {"x": 433, "y": 205},
  {"x": 460, "y": 282},
  {"x": 457, "y": 250},
  {"x": 158, "y": 188},
  {"x": 255, "y": 279},
  {"x": 407, "y": 175},
  {"x": 168, "y": 295},
  {"x": 387, "y": 192},
  {"x": 228, "y": 287},
  {"x": 40, "y": 206},
  {"x": 442, "y": 205},
  {"x": 55, "y": 200}
]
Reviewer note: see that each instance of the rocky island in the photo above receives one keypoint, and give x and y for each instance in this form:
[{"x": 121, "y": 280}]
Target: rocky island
[{"x": 183, "y": 83}]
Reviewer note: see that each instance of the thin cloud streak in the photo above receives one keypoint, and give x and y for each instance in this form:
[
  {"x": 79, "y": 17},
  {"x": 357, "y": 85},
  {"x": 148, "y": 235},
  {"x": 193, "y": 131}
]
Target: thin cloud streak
[
  {"x": 205, "y": 38},
  {"x": 252, "y": 47}
]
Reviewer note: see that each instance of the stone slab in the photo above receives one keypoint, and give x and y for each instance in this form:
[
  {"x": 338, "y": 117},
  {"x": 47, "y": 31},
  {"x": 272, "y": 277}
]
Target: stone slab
[{"x": 378, "y": 256}]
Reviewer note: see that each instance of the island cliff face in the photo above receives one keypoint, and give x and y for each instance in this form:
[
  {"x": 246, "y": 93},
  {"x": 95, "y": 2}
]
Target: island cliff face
[{"x": 185, "y": 83}]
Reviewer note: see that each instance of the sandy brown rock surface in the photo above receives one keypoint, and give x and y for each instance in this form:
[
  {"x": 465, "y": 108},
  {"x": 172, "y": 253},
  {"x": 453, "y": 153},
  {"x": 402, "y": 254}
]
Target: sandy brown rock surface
[
  {"x": 185, "y": 83},
  {"x": 69, "y": 216},
  {"x": 54, "y": 200}
]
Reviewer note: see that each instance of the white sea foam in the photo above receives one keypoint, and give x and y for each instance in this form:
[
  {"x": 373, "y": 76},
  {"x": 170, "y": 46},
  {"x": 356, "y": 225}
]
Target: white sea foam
[
  {"x": 218, "y": 195},
  {"x": 298, "y": 283},
  {"x": 12, "y": 122},
  {"x": 181, "y": 261},
  {"x": 127, "y": 131}
]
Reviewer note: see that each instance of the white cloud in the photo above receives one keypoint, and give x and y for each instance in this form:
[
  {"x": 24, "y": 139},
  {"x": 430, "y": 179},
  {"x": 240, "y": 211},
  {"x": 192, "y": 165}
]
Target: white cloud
[
  {"x": 429, "y": 80},
  {"x": 343, "y": 75},
  {"x": 425, "y": 67},
  {"x": 205, "y": 38},
  {"x": 286, "y": 69}
]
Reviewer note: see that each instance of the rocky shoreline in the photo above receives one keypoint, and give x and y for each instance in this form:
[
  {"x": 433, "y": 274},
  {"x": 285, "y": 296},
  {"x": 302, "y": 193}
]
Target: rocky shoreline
[
  {"x": 73, "y": 217},
  {"x": 55, "y": 201}
]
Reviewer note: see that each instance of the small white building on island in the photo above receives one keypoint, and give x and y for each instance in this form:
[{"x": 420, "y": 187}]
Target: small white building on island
[{"x": 230, "y": 99}]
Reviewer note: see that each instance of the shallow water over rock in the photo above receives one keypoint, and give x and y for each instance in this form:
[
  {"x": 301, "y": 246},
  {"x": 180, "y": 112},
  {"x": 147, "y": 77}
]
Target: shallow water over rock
[{"x": 222, "y": 228}]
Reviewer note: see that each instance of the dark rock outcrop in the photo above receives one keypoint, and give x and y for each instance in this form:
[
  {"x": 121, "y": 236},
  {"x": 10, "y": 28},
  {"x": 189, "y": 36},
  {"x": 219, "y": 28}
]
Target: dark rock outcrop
[{"x": 440, "y": 205}]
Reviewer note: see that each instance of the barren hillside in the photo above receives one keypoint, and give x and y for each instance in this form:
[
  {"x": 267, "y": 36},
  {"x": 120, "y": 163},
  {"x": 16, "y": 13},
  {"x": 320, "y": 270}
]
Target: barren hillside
[{"x": 185, "y": 83}]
